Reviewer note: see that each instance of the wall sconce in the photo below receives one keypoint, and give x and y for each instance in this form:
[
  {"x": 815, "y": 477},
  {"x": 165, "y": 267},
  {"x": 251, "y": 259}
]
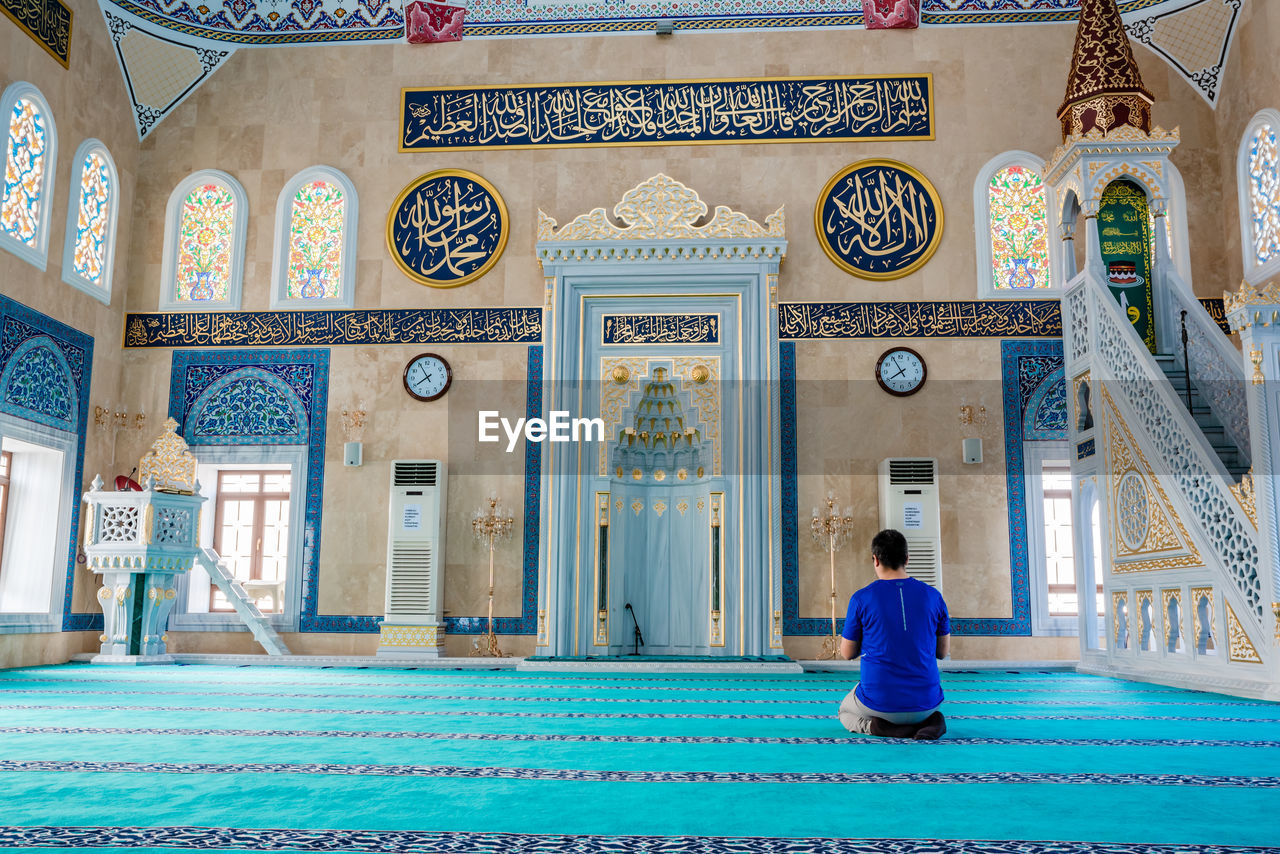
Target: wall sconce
[{"x": 353, "y": 421}]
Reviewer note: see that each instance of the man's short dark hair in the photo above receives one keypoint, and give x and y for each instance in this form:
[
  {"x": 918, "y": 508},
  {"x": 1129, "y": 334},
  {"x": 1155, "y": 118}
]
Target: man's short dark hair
[{"x": 890, "y": 548}]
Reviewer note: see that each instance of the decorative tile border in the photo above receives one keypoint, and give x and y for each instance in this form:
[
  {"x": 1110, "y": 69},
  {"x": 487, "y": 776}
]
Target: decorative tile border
[
  {"x": 301, "y": 374},
  {"x": 447, "y": 842},
  {"x": 48, "y": 22},
  {"x": 21, "y": 324},
  {"x": 317, "y": 328}
]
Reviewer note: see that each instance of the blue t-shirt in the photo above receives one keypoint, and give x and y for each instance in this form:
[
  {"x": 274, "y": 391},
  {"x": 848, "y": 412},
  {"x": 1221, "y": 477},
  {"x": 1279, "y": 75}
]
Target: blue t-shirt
[{"x": 898, "y": 623}]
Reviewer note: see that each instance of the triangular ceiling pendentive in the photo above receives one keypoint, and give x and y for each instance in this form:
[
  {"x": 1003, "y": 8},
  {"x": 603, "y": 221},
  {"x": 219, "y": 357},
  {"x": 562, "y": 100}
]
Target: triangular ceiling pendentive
[
  {"x": 161, "y": 68},
  {"x": 1194, "y": 38}
]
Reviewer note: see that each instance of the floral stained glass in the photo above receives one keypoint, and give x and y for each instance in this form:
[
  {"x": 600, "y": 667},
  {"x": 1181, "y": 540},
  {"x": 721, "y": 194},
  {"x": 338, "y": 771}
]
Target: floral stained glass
[
  {"x": 91, "y": 222},
  {"x": 315, "y": 241},
  {"x": 204, "y": 244},
  {"x": 1019, "y": 230},
  {"x": 1264, "y": 193},
  {"x": 23, "y": 172}
]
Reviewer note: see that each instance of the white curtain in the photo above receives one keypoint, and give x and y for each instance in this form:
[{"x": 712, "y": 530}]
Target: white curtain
[{"x": 31, "y": 527}]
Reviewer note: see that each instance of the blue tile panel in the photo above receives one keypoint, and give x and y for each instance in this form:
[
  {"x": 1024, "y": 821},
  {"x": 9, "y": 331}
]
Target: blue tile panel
[{"x": 45, "y": 369}]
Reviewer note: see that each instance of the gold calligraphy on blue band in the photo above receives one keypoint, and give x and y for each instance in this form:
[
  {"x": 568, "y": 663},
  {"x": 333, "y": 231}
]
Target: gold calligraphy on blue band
[
  {"x": 376, "y": 326},
  {"x": 46, "y": 21},
  {"x": 878, "y": 219},
  {"x": 447, "y": 228},
  {"x": 669, "y": 112},
  {"x": 660, "y": 329},
  {"x": 979, "y": 319}
]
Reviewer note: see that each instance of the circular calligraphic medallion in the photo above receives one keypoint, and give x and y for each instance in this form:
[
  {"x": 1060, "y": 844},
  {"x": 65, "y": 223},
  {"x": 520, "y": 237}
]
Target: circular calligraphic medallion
[
  {"x": 878, "y": 219},
  {"x": 447, "y": 228}
]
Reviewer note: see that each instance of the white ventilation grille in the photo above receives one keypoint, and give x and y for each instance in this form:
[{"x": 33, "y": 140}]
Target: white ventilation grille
[
  {"x": 909, "y": 503},
  {"x": 410, "y": 576},
  {"x": 413, "y": 473}
]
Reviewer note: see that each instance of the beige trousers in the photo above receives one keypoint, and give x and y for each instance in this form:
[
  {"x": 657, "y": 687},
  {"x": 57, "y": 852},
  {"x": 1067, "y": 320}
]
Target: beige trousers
[{"x": 856, "y": 717}]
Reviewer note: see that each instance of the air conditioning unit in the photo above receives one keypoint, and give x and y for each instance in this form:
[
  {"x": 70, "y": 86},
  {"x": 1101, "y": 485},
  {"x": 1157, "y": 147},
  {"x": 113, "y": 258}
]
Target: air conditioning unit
[
  {"x": 909, "y": 503},
  {"x": 414, "y": 621}
]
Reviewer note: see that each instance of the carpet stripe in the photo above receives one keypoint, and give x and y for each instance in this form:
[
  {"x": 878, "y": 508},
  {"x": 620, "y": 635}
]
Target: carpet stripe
[
  {"x": 360, "y": 769},
  {"x": 433, "y": 842},
  {"x": 631, "y": 739}
]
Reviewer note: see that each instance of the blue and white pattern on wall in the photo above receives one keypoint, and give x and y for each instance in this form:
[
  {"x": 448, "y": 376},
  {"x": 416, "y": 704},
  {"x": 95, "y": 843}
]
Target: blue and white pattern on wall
[
  {"x": 252, "y": 397},
  {"x": 44, "y": 378}
]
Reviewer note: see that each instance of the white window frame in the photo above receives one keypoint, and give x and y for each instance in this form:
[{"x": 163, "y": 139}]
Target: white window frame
[
  {"x": 38, "y": 255},
  {"x": 65, "y": 443},
  {"x": 248, "y": 457},
  {"x": 1034, "y": 456},
  {"x": 100, "y": 292},
  {"x": 280, "y": 260},
  {"x": 982, "y": 227},
  {"x": 1254, "y": 272},
  {"x": 239, "y": 228}
]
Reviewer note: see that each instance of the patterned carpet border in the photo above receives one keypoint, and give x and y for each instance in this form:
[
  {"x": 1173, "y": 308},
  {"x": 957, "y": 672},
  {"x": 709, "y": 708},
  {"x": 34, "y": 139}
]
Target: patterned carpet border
[
  {"x": 432, "y": 842},
  {"x": 736, "y": 701},
  {"x": 471, "y": 713},
  {"x": 583, "y": 775},
  {"x": 629, "y": 739}
]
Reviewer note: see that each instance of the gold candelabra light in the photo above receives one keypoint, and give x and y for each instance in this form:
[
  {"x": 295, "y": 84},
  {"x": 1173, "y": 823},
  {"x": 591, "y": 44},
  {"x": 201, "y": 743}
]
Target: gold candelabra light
[
  {"x": 490, "y": 524},
  {"x": 973, "y": 417},
  {"x": 830, "y": 530},
  {"x": 111, "y": 421},
  {"x": 353, "y": 421}
]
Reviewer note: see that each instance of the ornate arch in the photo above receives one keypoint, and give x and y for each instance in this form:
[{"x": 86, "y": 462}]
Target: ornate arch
[
  {"x": 987, "y": 285},
  {"x": 346, "y": 241},
  {"x": 39, "y": 169},
  {"x": 248, "y": 406},
  {"x": 1257, "y": 269},
  {"x": 1045, "y": 416},
  {"x": 38, "y": 380},
  {"x": 170, "y": 297},
  {"x": 1140, "y": 173},
  {"x": 98, "y": 287}
]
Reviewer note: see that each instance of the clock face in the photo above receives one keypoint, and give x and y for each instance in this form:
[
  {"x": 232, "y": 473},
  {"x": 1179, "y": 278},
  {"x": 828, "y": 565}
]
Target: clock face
[
  {"x": 900, "y": 371},
  {"x": 427, "y": 377}
]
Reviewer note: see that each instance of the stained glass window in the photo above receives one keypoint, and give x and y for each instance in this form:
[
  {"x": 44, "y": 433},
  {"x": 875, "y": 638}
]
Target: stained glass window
[
  {"x": 1019, "y": 230},
  {"x": 93, "y": 218},
  {"x": 24, "y": 167},
  {"x": 1264, "y": 193},
  {"x": 315, "y": 241},
  {"x": 205, "y": 239}
]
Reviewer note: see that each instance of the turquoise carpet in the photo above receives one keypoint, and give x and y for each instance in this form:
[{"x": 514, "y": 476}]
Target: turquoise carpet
[{"x": 496, "y": 762}]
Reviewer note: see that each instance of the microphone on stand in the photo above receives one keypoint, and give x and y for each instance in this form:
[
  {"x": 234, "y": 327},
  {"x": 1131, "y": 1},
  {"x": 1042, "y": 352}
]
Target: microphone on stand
[{"x": 639, "y": 638}]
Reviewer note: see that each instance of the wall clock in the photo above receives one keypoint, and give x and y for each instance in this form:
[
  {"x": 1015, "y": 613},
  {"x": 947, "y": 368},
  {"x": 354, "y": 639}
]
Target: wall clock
[
  {"x": 900, "y": 371},
  {"x": 427, "y": 376}
]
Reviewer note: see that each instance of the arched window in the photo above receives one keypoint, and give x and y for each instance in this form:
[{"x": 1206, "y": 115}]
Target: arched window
[
  {"x": 314, "y": 265},
  {"x": 1258, "y": 187},
  {"x": 205, "y": 223},
  {"x": 89, "y": 250},
  {"x": 1013, "y": 240},
  {"x": 30, "y": 153}
]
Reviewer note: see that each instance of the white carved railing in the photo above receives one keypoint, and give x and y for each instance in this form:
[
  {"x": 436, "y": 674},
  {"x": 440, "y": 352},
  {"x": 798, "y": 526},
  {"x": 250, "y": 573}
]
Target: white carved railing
[
  {"x": 1095, "y": 328},
  {"x": 1217, "y": 370}
]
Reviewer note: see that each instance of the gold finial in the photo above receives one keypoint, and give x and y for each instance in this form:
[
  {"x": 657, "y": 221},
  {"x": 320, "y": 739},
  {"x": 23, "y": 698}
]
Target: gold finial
[{"x": 169, "y": 464}]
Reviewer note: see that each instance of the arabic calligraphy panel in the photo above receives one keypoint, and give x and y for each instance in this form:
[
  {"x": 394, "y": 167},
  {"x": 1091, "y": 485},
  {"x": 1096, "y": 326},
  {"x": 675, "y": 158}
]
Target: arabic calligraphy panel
[
  {"x": 447, "y": 228},
  {"x": 975, "y": 319},
  {"x": 660, "y": 329},
  {"x": 878, "y": 219},
  {"x": 668, "y": 112},
  {"x": 48, "y": 22}
]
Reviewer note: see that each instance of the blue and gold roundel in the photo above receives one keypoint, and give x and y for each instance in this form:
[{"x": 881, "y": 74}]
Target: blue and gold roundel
[
  {"x": 878, "y": 219},
  {"x": 447, "y": 228}
]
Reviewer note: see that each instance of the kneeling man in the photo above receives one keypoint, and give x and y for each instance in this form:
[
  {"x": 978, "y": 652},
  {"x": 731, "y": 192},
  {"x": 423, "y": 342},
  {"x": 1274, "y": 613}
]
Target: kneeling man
[{"x": 899, "y": 625}]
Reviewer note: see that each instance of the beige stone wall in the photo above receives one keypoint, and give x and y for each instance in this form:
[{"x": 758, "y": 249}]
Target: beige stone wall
[
  {"x": 266, "y": 114},
  {"x": 87, "y": 100},
  {"x": 1251, "y": 82}
]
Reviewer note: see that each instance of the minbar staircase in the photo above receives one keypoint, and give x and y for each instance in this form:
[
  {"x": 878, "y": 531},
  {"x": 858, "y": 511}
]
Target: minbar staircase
[
  {"x": 257, "y": 622},
  {"x": 1209, "y": 425}
]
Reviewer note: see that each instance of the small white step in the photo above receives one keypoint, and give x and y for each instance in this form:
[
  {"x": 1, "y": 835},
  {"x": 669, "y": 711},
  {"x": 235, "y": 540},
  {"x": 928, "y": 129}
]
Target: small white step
[{"x": 259, "y": 625}]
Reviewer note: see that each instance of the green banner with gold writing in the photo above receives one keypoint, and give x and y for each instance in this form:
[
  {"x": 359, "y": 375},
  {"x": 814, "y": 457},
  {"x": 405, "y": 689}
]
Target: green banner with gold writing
[{"x": 1125, "y": 230}]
